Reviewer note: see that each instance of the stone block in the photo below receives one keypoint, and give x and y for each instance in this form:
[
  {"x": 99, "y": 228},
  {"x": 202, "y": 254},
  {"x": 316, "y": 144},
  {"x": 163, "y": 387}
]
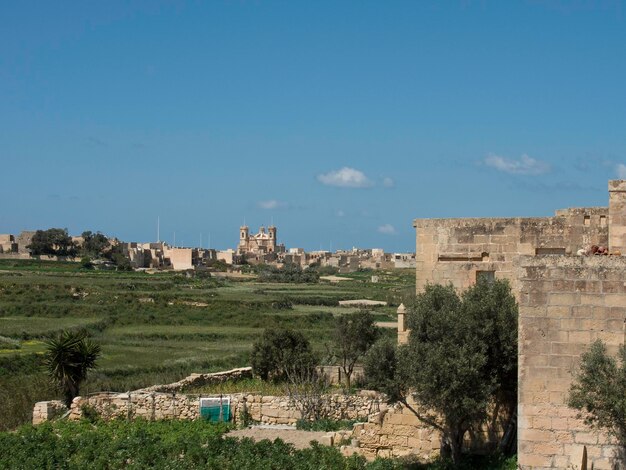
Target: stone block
[
  {"x": 537, "y": 435},
  {"x": 615, "y": 300},
  {"x": 586, "y": 438},
  {"x": 548, "y": 448}
]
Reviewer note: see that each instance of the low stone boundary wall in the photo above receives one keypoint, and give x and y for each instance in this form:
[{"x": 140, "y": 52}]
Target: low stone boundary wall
[
  {"x": 261, "y": 409},
  {"x": 382, "y": 431},
  {"x": 198, "y": 380},
  {"x": 48, "y": 410}
]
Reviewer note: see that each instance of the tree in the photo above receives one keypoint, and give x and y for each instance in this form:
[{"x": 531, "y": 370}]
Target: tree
[
  {"x": 94, "y": 244},
  {"x": 353, "y": 335},
  {"x": 493, "y": 304},
  {"x": 54, "y": 241},
  {"x": 280, "y": 351},
  {"x": 598, "y": 391},
  {"x": 68, "y": 358},
  {"x": 461, "y": 357},
  {"x": 380, "y": 367}
]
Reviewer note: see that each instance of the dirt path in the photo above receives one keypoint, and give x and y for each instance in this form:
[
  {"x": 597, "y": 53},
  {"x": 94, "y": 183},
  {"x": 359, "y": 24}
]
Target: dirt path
[{"x": 300, "y": 439}]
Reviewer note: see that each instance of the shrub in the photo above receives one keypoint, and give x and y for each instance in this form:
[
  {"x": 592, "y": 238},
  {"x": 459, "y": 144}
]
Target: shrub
[{"x": 280, "y": 349}]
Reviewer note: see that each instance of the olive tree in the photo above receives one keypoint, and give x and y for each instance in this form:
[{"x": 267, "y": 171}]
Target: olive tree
[
  {"x": 598, "y": 391},
  {"x": 353, "y": 335},
  {"x": 461, "y": 357},
  {"x": 281, "y": 350}
]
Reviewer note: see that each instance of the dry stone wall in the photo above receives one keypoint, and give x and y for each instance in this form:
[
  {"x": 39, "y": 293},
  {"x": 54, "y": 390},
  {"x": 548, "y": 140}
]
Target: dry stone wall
[
  {"x": 393, "y": 432},
  {"x": 565, "y": 304},
  {"x": 48, "y": 410},
  {"x": 199, "y": 380},
  {"x": 262, "y": 409}
]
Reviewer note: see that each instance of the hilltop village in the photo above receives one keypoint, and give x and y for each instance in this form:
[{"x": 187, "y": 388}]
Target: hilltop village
[{"x": 252, "y": 249}]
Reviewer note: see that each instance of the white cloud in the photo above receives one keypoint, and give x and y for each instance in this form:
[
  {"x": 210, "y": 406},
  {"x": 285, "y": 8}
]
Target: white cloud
[
  {"x": 271, "y": 204},
  {"x": 388, "y": 182},
  {"x": 346, "y": 177},
  {"x": 387, "y": 229},
  {"x": 340, "y": 213},
  {"x": 524, "y": 166},
  {"x": 621, "y": 171}
]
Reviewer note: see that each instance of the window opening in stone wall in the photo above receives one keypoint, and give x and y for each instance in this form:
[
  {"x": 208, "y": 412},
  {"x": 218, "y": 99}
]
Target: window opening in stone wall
[
  {"x": 587, "y": 220},
  {"x": 489, "y": 276},
  {"x": 549, "y": 251},
  {"x": 603, "y": 221}
]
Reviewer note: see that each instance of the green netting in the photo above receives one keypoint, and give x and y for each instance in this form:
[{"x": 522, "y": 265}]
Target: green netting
[{"x": 213, "y": 412}]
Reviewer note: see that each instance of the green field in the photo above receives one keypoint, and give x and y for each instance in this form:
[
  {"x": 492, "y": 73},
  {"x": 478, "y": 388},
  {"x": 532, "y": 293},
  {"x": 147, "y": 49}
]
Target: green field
[{"x": 157, "y": 328}]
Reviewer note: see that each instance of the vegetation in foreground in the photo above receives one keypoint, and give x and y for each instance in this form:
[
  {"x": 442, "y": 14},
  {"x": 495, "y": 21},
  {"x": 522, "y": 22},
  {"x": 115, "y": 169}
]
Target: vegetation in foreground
[
  {"x": 160, "y": 445},
  {"x": 185, "y": 445}
]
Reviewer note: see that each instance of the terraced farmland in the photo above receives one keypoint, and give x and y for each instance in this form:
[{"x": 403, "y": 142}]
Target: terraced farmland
[{"x": 157, "y": 328}]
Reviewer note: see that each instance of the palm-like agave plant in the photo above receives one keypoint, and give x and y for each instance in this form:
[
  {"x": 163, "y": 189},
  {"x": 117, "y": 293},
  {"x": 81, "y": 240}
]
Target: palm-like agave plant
[{"x": 68, "y": 358}]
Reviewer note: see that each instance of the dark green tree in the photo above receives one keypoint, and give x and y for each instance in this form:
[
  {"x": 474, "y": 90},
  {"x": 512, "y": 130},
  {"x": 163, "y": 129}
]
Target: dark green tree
[
  {"x": 461, "y": 357},
  {"x": 54, "y": 241},
  {"x": 353, "y": 335},
  {"x": 598, "y": 391},
  {"x": 380, "y": 367},
  {"x": 68, "y": 358},
  {"x": 94, "y": 244},
  {"x": 279, "y": 352}
]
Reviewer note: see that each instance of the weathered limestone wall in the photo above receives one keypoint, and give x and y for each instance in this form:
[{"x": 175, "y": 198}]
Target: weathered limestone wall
[
  {"x": 199, "y": 380},
  {"x": 454, "y": 250},
  {"x": 565, "y": 304},
  {"x": 394, "y": 432},
  {"x": 263, "y": 409},
  {"x": 179, "y": 258},
  {"x": 335, "y": 375},
  {"x": 48, "y": 410}
]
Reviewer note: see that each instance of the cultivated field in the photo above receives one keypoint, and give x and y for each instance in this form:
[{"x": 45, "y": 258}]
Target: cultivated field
[{"x": 157, "y": 328}]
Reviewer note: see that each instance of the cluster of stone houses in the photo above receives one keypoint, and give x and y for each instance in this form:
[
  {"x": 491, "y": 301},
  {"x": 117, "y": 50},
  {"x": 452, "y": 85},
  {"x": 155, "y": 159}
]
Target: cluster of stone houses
[{"x": 259, "y": 248}]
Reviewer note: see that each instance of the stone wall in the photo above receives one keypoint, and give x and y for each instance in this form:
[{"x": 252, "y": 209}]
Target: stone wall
[
  {"x": 262, "y": 409},
  {"x": 565, "y": 304},
  {"x": 457, "y": 250},
  {"x": 199, "y": 380},
  {"x": 48, "y": 410},
  {"x": 393, "y": 432}
]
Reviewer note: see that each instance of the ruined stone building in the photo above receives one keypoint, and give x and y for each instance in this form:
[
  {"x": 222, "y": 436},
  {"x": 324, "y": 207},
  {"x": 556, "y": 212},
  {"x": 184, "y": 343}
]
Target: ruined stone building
[
  {"x": 10, "y": 244},
  {"x": 7, "y": 244},
  {"x": 569, "y": 276}
]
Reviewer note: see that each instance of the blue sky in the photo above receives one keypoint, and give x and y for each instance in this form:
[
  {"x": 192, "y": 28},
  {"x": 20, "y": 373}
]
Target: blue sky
[{"x": 339, "y": 121}]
